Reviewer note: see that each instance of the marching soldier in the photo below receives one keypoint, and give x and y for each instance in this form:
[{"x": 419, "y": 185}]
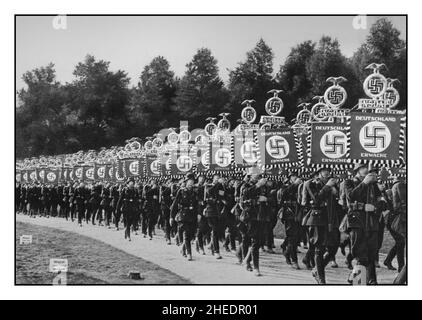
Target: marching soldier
[
  {"x": 256, "y": 211},
  {"x": 316, "y": 193},
  {"x": 184, "y": 211},
  {"x": 105, "y": 203},
  {"x": 151, "y": 207},
  {"x": 365, "y": 205},
  {"x": 81, "y": 197},
  {"x": 202, "y": 228},
  {"x": 165, "y": 203},
  {"x": 396, "y": 224},
  {"x": 213, "y": 194},
  {"x": 115, "y": 195},
  {"x": 271, "y": 220},
  {"x": 129, "y": 205},
  {"x": 241, "y": 217},
  {"x": 228, "y": 217},
  {"x": 288, "y": 215}
]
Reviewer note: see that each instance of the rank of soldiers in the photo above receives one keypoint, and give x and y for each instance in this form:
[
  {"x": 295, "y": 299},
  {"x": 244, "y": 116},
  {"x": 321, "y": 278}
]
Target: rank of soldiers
[{"x": 322, "y": 215}]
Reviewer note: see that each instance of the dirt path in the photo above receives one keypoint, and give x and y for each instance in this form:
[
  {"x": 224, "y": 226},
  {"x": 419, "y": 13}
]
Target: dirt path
[{"x": 204, "y": 269}]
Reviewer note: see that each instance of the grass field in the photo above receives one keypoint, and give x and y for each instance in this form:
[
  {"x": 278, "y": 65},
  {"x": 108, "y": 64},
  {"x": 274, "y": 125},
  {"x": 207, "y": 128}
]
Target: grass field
[{"x": 90, "y": 261}]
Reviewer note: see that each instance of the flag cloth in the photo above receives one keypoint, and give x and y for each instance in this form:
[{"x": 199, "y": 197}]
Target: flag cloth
[
  {"x": 277, "y": 147},
  {"x": 330, "y": 144},
  {"x": 377, "y": 137}
]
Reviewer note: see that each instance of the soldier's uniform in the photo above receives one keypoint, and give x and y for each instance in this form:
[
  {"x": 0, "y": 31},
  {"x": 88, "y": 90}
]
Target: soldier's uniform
[
  {"x": 228, "y": 218},
  {"x": 315, "y": 197},
  {"x": 115, "y": 195},
  {"x": 184, "y": 211},
  {"x": 202, "y": 227},
  {"x": 54, "y": 200},
  {"x": 213, "y": 206},
  {"x": 272, "y": 219},
  {"x": 152, "y": 208},
  {"x": 165, "y": 203},
  {"x": 129, "y": 205},
  {"x": 396, "y": 224},
  {"x": 81, "y": 197},
  {"x": 363, "y": 223},
  {"x": 94, "y": 204},
  {"x": 256, "y": 215},
  {"x": 241, "y": 213},
  {"x": 105, "y": 204},
  {"x": 289, "y": 216}
]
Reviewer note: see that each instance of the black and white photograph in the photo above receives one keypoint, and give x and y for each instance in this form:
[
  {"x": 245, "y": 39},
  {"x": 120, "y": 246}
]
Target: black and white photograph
[
  {"x": 210, "y": 159},
  {"x": 218, "y": 149}
]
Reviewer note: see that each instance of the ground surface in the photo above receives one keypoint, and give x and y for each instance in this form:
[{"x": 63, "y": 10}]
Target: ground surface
[
  {"x": 99, "y": 260},
  {"x": 90, "y": 261}
]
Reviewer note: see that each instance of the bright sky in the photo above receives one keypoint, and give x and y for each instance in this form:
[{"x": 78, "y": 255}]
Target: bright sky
[{"x": 130, "y": 43}]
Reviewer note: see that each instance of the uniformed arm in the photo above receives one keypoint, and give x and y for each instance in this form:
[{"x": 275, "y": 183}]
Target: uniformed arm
[
  {"x": 324, "y": 194},
  {"x": 120, "y": 201},
  {"x": 396, "y": 196},
  {"x": 305, "y": 195},
  {"x": 174, "y": 206}
]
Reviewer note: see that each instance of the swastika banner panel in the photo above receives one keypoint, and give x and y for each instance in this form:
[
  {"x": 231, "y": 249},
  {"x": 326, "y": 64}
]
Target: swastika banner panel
[
  {"x": 132, "y": 168},
  {"x": 277, "y": 147},
  {"x": 329, "y": 144},
  {"x": 52, "y": 176},
  {"x": 221, "y": 155},
  {"x": 182, "y": 161},
  {"x": 245, "y": 149},
  {"x": 99, "y": 172},
  {"x": 376, "y": 137},
  {"x": 152, "y": 166}
]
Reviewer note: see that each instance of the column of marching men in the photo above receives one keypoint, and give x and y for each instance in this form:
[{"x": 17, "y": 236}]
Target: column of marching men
[{"x": 320, "y": 215}]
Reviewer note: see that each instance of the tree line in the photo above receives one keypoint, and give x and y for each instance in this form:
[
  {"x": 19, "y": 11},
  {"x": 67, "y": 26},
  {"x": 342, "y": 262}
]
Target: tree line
[{"x": 99, "y": 108}]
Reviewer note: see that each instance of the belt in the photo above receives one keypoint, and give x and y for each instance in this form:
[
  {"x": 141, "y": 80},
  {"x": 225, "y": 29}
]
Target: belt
[{"x": 357, "y": 206}]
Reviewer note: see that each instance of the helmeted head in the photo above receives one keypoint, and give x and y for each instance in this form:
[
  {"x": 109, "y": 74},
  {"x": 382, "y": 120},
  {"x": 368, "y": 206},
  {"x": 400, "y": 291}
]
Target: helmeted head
[{"x": 361, "y": 170}]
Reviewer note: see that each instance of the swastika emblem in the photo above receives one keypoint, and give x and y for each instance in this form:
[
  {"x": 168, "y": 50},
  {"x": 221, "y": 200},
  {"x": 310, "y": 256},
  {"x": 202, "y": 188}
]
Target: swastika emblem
[
  {"x": 223, "y": 157},
  {"x": 248, "y": 152},
  {"x": 335, "y": 96},
  {"x": 274, "y": 106},
  {"x": 154, "y": 167},
  {"x": 277, "y": 147},
  {"x": 392, "y": 97},
  {"x": 375, "y": 85},
  {"x": 248, "y": 114},
  {"x": 375, "y": 137},
  {"x": 184, "y": 163},
  {"x": 101, "y": 172},
  {"x": 51, "y": 176},
  {"x": 90, "y": 173},
  {"x": 78, "y": 173},
  {"x": 333, "y": 144},
  {"x": 134, "y": 167}
]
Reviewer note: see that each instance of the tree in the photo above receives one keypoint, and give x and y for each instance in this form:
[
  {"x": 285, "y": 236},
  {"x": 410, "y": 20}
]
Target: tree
[
  {"x": 201, "y": 91},
  {"x": 39, "y": 116},
  {"x": 328, "y": 61},
  {"x": 99, "y": 98},
  {"x": 152, "y": 106},
  {"x": 253, "y": 78},
  {"x": 383, "y": 45},
  {"x": 293, "y": 77}
]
